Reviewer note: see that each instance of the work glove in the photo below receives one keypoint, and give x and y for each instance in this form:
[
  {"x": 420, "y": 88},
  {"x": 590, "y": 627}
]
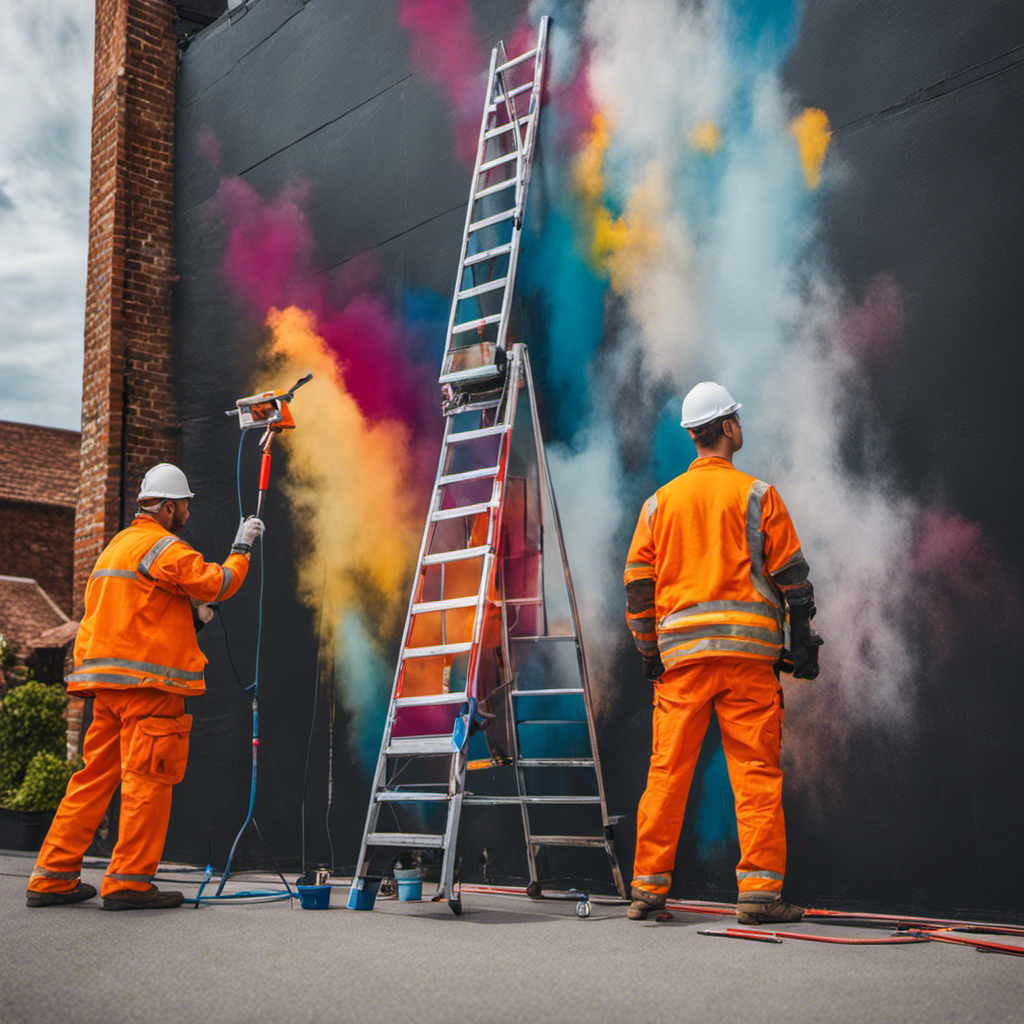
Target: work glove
[
  {"x": 804, "y": 640},
  {"x": 248, "y": 530},
  {"x": 201, "y": 614},
  {"x": 653, "y": 668}
]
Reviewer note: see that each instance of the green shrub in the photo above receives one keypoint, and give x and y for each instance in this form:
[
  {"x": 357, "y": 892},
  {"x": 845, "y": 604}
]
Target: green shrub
[
  {"x": 44, "y": 784},
  {"x": 31, "y": 721}
]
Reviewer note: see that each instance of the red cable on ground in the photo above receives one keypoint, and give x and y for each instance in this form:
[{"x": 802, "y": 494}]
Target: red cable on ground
[
  {"x": 962, "y": 940},
  {"x": 762, "y": 936}
]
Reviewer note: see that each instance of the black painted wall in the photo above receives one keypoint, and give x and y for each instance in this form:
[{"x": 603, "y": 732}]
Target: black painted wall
[{"x": 927, "y": 818}]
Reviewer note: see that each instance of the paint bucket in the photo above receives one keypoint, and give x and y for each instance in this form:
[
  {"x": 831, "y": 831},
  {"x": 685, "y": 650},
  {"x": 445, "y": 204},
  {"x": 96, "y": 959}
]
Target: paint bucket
[
  {"x": 363, "y": 892},
  {"x": 314, "y": 897},
  {"x": 410, "y": 884}
]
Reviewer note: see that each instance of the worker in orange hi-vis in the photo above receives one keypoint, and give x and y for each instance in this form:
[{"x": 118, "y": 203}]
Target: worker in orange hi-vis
[
  {"x": 713, "y": 568},
  {"x": 136, "y": 655}
]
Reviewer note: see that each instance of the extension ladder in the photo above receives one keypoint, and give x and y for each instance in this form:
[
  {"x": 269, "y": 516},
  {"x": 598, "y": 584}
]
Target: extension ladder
[{"x": 486, "y": 656}]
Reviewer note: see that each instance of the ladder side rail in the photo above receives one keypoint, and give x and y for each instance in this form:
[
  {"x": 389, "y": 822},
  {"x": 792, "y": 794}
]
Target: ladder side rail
[
  {"x": 481, "y": 147},
  {"x": 524, "y": 163},
  {"x": 542, "y": 463},
  {"x": 382, "y": 761},
  {"x": 533, "y": 117},
  {"x": 513, "y": 119}
]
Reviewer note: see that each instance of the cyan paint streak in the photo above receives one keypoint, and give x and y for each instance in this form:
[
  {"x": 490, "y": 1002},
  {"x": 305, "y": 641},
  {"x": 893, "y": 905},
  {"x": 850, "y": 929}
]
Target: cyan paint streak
[
  {"x": 567, "y": 306},
  {"x": 715, "y": 819},
  {"x": 363, "y": 679}
]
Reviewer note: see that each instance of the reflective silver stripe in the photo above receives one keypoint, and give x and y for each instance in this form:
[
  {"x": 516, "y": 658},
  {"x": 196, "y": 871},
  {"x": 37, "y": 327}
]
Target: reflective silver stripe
[
  {"x": 130, "y": 878},
  {"x": 670, "y": 646},
  {"x": 46, "y": 873},
  {"x": 713, "y": 607},
  {"x": 644, "y": 625},
  {"x": 227, "y": 582},
  {"x": 154, "y": 553},
  {"x": 141, "y": 666},
  {"x": 109, "y": 677},
  {"x": 653, "y": 880},
  {"x": 124, "y": 574},
  {"x": 797, "y": 559},
  {"x": 768, "y": 636},
  {"x": 772, "y": 876},
  {"x": 755, "y": 543},
  {"x": 646, "y": 646},
  {"x": 650, "y": 507}
]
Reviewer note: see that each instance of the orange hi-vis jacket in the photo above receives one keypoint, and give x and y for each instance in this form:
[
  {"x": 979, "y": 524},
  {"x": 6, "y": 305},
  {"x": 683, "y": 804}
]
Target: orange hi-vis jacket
[
  {"x": 137, "y": 629},
  {"x": 712, "y": 554}
]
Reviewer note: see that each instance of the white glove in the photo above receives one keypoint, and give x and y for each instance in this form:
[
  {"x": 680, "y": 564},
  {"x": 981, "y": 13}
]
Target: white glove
[{"x": 248, "y": 530}]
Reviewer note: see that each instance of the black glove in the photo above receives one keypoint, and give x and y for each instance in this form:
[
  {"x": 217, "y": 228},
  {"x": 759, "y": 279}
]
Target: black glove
[
  {"x": 653, "y": 668},
  {"x": 804, "y": 640}
]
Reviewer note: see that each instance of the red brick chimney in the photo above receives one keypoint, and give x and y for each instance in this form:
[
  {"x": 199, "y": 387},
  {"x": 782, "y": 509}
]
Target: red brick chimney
[{"x": 127, "y": 407}]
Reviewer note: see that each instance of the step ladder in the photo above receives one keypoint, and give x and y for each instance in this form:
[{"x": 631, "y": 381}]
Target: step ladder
[{"x": 491, "y": 652}]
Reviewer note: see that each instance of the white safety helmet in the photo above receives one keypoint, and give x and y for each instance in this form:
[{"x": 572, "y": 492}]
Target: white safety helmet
[
  {"x": 706, "y": 402},
  {"x": 164, "y": 481}
]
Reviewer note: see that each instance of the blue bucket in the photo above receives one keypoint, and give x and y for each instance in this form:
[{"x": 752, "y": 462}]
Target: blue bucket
[
  {"x": 363, "y": 893},
  {"x": 314, "y": 897},
  {"x": 410, "y": 884}
]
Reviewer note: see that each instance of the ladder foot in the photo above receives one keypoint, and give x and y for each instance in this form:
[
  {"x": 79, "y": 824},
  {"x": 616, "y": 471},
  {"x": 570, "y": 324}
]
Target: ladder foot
[{"x": 455, "y": 905}]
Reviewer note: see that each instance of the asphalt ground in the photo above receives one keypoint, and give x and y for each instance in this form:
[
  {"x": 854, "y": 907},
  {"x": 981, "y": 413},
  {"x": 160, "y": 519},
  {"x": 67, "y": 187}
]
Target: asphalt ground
[{"x": 505, "y": 959}]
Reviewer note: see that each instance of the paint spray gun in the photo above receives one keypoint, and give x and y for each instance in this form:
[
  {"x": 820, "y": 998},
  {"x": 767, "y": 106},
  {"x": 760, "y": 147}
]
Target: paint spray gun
[{"x": 268, "y": 410}]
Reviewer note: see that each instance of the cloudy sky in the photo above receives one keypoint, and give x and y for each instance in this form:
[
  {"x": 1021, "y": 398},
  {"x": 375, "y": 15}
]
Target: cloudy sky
[{"x": 46, "y": 103}]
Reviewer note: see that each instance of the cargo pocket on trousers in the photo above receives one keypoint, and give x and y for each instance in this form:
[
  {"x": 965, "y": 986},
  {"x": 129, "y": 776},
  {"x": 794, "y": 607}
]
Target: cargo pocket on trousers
[
  {"x": 159, "y": 748},
  {"x": 780, "y": 712}
]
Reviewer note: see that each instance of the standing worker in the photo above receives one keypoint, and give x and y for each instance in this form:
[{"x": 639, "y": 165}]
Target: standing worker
[
  {"x": 713, "y": 565},
  {"x": 136, "y": 655}
]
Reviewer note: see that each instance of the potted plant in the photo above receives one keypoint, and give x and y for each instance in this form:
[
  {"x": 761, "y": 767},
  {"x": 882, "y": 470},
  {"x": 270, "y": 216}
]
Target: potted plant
[{"x": 34, "y": 770}]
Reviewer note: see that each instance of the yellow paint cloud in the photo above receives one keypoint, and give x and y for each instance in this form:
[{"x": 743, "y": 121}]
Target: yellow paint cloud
[
  {"x": 705, "y": 137},
  {"x": 812, "y": 134},
  {"x": 347, "y": 483}
]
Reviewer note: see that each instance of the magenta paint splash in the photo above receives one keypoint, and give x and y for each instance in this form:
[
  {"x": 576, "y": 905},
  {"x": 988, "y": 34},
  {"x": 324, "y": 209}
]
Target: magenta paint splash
[
  {"x": 873, "y": 328},
  {"x": 208, "y": 146},
  {"x": 445, "y": 49}
]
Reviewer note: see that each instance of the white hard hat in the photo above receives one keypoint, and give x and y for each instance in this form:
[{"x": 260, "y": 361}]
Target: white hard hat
[
  {"x": 706, "y": 402},
  {"x": 164, "y": 481}
]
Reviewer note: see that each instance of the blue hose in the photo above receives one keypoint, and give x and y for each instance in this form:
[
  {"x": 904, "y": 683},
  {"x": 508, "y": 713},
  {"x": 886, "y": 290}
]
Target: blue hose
[{"x": 256, "y": 896}]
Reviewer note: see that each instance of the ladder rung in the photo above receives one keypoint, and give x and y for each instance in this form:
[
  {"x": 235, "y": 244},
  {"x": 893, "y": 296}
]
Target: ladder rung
[
  {"x": 412, "y": 746},
  {"x": 555, "y": 762},
  {"x": 455, "y": 556},
  {"x": 525, "y": 600},
  {"x": 478, "y": 373},
  {"x": 492, "y": 133},
  {"x": 505, "y": 158},
  {"x": 516, "y": 60},
  {"x": 479, "y": 257},
  {"x": 472, "y": 435},
  {"x": 566, "y": 841},
  {"x": 462, "y": 511},
  {"x": 533, "y": 639},
  {"x": 436, "y": 651},
  {"x": 404, "y": 839},
  {"x": 573, "y": 691},
  {"x": 480, "y": 289},
  {"x": 491, "y": 189},
  {"x": 472, "y": 474},
  {"x": 479, "y": 225},
  {"x": 472, "y": 325},
  {"x": 390, "y": 796},
  {"x": 423, "y": 607},
  {"x": 472, "y": 798},
  {"x": 430, "y": 700},
  {"x": 513, "y": 93}
]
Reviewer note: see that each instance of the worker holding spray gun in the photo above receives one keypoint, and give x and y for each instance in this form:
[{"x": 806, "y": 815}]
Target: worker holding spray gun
[{"x": 136, "y": 655}]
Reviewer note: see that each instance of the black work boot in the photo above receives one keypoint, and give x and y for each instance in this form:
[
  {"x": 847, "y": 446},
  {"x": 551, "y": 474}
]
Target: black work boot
[
  {"x": 82, "y": 891},
  {"x": 142, "y": 899},
  {"x": 760, "y": 912},
  {"x": 643, "y": 903}
]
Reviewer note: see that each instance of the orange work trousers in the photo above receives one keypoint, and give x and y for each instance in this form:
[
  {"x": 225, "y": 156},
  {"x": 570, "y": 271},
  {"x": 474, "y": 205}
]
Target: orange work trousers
[
  {"x": 746, "y": 696},
  {"x": 138, "y": 738}
]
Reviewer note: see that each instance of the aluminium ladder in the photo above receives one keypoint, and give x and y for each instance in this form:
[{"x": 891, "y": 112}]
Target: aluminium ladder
[{"x": 484, "y": 654}]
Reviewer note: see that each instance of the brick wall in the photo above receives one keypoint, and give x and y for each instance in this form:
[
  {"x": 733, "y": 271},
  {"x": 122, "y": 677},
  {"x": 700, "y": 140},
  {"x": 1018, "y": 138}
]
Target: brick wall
[
  {"x": 36, "y": 541},
  {"x": 128, "y": 420}
]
